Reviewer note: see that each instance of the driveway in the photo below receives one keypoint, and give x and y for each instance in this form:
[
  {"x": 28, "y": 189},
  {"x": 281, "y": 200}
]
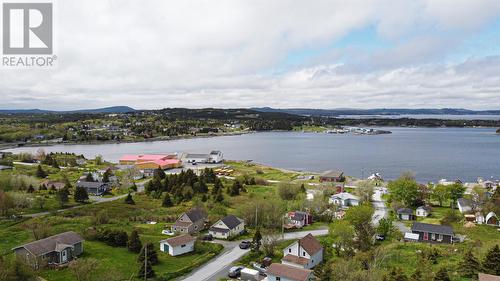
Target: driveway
[{"x": 218, "y": 268}]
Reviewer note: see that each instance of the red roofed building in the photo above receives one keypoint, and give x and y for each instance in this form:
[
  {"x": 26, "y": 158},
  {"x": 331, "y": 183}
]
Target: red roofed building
[{"x": 151, "y": 161}]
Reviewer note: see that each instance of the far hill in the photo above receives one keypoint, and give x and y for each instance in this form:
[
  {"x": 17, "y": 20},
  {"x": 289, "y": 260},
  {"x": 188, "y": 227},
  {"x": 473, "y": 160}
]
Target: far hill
[
  {"x": 379, "y": 111},
  {"x": 112, "y": 109}
]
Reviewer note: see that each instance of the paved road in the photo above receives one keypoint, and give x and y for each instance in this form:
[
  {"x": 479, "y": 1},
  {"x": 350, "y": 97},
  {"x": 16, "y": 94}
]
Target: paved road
[
  {"x": 219, "y": 267},
  {"x": 379, "y": 206},
  {"x": 95, "y": 200}
]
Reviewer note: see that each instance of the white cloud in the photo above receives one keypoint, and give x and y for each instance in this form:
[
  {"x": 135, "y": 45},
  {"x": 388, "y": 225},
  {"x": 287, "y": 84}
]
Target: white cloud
[{"x": 153, "y": 54}]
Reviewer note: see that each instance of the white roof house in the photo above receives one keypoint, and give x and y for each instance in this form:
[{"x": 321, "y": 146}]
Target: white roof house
[
  {"x": 344, "y": 199},
  {"x": 178, "y": 245}
]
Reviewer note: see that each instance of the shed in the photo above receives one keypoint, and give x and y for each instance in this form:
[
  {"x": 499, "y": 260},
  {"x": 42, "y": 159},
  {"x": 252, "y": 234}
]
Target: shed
[{"x": 178, "y": 245}]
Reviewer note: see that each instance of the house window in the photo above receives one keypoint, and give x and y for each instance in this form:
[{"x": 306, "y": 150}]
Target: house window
[
  {"x": 182, "y": 246},
  {"x": 289, "y": 250},
  {"x": 304, "y": 253},
  {"x": 278, "y": 278},
  {"x": 433, "y": 236}
]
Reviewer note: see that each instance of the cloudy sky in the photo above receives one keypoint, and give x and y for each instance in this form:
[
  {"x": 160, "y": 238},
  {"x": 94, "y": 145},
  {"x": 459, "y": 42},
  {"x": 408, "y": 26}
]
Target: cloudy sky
[{"x": 231, "y": 53}]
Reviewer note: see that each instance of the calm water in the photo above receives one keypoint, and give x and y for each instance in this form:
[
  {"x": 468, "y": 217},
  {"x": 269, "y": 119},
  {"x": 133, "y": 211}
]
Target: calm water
[
  {"x": 426, "y": 116},
  {"x": 431, "y": 153}
]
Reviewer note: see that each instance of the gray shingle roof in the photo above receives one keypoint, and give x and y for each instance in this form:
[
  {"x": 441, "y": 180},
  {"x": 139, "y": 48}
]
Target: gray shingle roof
[
  {"x": 231, "y": 221},
  {"x": 195, "y": 215},
  {"x": 51, "y": 243},
  {"x": 405, "y": 211},
  {"x": 432, "y": 228},
  {"x": 90, "y": 184}
]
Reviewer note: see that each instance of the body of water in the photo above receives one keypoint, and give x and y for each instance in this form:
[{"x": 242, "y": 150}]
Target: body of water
[
  {"x": 425, "y": 116},
  {"x": 431, "y": 153}
]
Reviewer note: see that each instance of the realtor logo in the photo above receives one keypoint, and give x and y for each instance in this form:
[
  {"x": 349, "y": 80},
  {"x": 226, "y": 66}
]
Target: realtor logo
[{"x": 27, "y": 29}]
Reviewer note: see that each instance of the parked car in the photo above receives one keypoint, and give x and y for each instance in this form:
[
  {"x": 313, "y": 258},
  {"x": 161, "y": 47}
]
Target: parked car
[
  {"x": 380, "y": 237},
  {"x": 245, "y": 245},
  {"x": 167, "y": 232},
  {"x": 208, "y": 237},
  {"x": 235, "y": 271}
]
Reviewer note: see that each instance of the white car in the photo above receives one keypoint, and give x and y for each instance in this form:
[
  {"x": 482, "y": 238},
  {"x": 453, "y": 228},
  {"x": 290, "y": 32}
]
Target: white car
[{"x": 167, "y": 232}]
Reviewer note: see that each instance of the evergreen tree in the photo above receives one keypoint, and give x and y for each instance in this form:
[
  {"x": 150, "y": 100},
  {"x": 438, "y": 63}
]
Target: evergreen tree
[
  {"x": 167, "y": 201},
  {"x": 491, "y": 263},
  {"x": 81, "y": 194},
  {"x": 151, "y": 253},
  {"x": 55, "y": 164},
  {"x": 134, "y": 242},
  {"x": 106, "y": 175},
  {"x": 133, "y": 187},
  {"x": 219, "y": 197},
  {"x": 89, "y": 177},
  {"x": 235, "y": 189},
  {"x": 217, "y": 186},
  {"x": 257, "y": 241},
  {"x": 159, "y": 174},
  {"x": 323, "y": 272},
  {"x": 146, "y": 269},
  {"x": 204, "y": 198},
  {"x": 40, "y": 173},
  {"x": 469, "y": 266},
  {"x": 302, "y": 188},
  {"x": 442, "y": 275},
  {"x": 129, "y": 200},
  {"x": 62, "y": 197}
]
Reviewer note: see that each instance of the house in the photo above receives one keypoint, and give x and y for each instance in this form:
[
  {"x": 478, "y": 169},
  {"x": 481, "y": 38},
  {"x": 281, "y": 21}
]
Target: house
[
  {"x": 216, "y": 156},
  {"x": 227, "y": 227},
  {"x": 332, "y": 176},
  {"x": 488, "y": 277},
  {"x": 4, "y": 168},
  {"x": 179, "y": 245},
  {"x": 491, "y": 219},
  {"x": 299, "y": 219},
  {"x": 424, "y": 211},
  {"x": 283, "y": 272},
  {"x": 405, "y": 214},
  {"x": 54, "y": 250},
  {"x": 306, "y": 253},
  {"x": 190, "y": 222},
  {"x": 464, "y": 205},
  {"x": 344, "y": 199},
  {"x": 94, "y": 188},
  {"x": 151, "y": 161},
  {"x": 433, "y": 233}
]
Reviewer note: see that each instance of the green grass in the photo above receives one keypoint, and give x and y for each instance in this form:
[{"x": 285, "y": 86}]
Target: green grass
[{"x": 260, "y": 171}]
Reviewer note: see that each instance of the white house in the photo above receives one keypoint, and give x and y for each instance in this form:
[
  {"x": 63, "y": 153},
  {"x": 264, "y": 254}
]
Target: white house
[
  {"x": 344, "y": 199},
  {"x": 227, "y": 227},
  {"x": 283, "y": 272},
  {"x": 423, "y": 211},
  {"x": 479, "y": 218},
  {"x": 178, "y": 245},
  {"x": 216, "y": 156},
  {"x": 306, "y": 253}
]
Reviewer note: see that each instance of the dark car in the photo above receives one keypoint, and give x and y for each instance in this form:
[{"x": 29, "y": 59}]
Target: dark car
[
  {"x": 235, "y": 271},
  {"x": 380, "y": 237},
  {"x": 245, "y": 244},
  {"x": 208, "y": 237}
]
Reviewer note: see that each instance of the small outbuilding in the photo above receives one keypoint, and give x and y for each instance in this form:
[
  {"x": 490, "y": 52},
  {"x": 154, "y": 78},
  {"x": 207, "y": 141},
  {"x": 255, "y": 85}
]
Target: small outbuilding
[
  {"x": 491, "y": 219},
  {"x": 178, "y": 245},
  {"x": 424, "y": 211},
  {"x": 405, "y": 214}
]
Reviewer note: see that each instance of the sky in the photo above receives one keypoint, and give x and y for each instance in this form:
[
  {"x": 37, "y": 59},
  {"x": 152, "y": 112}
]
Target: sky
[{"x": 281, "y": 53}]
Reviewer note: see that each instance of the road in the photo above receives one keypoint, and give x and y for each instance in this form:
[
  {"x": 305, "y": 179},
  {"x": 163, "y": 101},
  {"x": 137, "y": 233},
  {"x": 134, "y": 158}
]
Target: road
[
  {"x": 379, "y": 206},
  {"x": 218, "y": 268},
  {"x": 95, "y": 200}
]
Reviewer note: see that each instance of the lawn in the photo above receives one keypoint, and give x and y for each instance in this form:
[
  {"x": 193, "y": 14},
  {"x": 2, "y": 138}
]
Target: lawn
[{"x": 260, "y": 171}]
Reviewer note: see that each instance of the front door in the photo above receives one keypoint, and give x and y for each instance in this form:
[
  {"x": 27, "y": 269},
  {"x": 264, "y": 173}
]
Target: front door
[
  {"x": 165, "y": 248},
  {"x": 64, "y": 256},
  {"x": 426, "y": 236}
]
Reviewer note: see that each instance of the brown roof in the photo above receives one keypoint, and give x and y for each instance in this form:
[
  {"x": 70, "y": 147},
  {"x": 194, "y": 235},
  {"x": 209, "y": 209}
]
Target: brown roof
[
  {"x": 488, "y": 277},
  {"x": 182, "y": 223},
  {"x": 51, "y": 243},
  {"x": 295, "y": 259},
  {"x": 310, "y": 244},
  {"x": 289, "y": 272},
  {"x": 179, "y": 240}
]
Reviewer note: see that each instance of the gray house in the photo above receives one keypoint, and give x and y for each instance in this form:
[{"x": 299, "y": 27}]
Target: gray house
[
  {"x": 433, "y": 233},
  {"x": 190, "y": 222},
  {"x": 54, "y": 250},
  {"x": 94, "y": 188}
]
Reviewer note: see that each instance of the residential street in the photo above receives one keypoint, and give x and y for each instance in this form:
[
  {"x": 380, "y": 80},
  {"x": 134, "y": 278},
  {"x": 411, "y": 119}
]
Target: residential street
[
  {"x": 379, "y": 206},
  {"x": 218, "y": 268}
]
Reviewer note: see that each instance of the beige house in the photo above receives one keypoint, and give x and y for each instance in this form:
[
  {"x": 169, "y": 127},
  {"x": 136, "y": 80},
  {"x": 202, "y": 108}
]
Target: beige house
[
  {"x": 227, "y": 227},
  {"x": 190, "y": 222}
]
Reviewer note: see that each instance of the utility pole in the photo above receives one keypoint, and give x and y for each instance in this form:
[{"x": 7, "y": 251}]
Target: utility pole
[
  {"x": 283, "y": 227},
  {"x": 256, "y": 216},
  {"x": 146, "y": 262}
]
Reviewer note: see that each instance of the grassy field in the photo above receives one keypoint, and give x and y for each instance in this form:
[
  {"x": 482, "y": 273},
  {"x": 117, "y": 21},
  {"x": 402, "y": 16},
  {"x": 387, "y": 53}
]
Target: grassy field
[{"x": 260, "y": 171}]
